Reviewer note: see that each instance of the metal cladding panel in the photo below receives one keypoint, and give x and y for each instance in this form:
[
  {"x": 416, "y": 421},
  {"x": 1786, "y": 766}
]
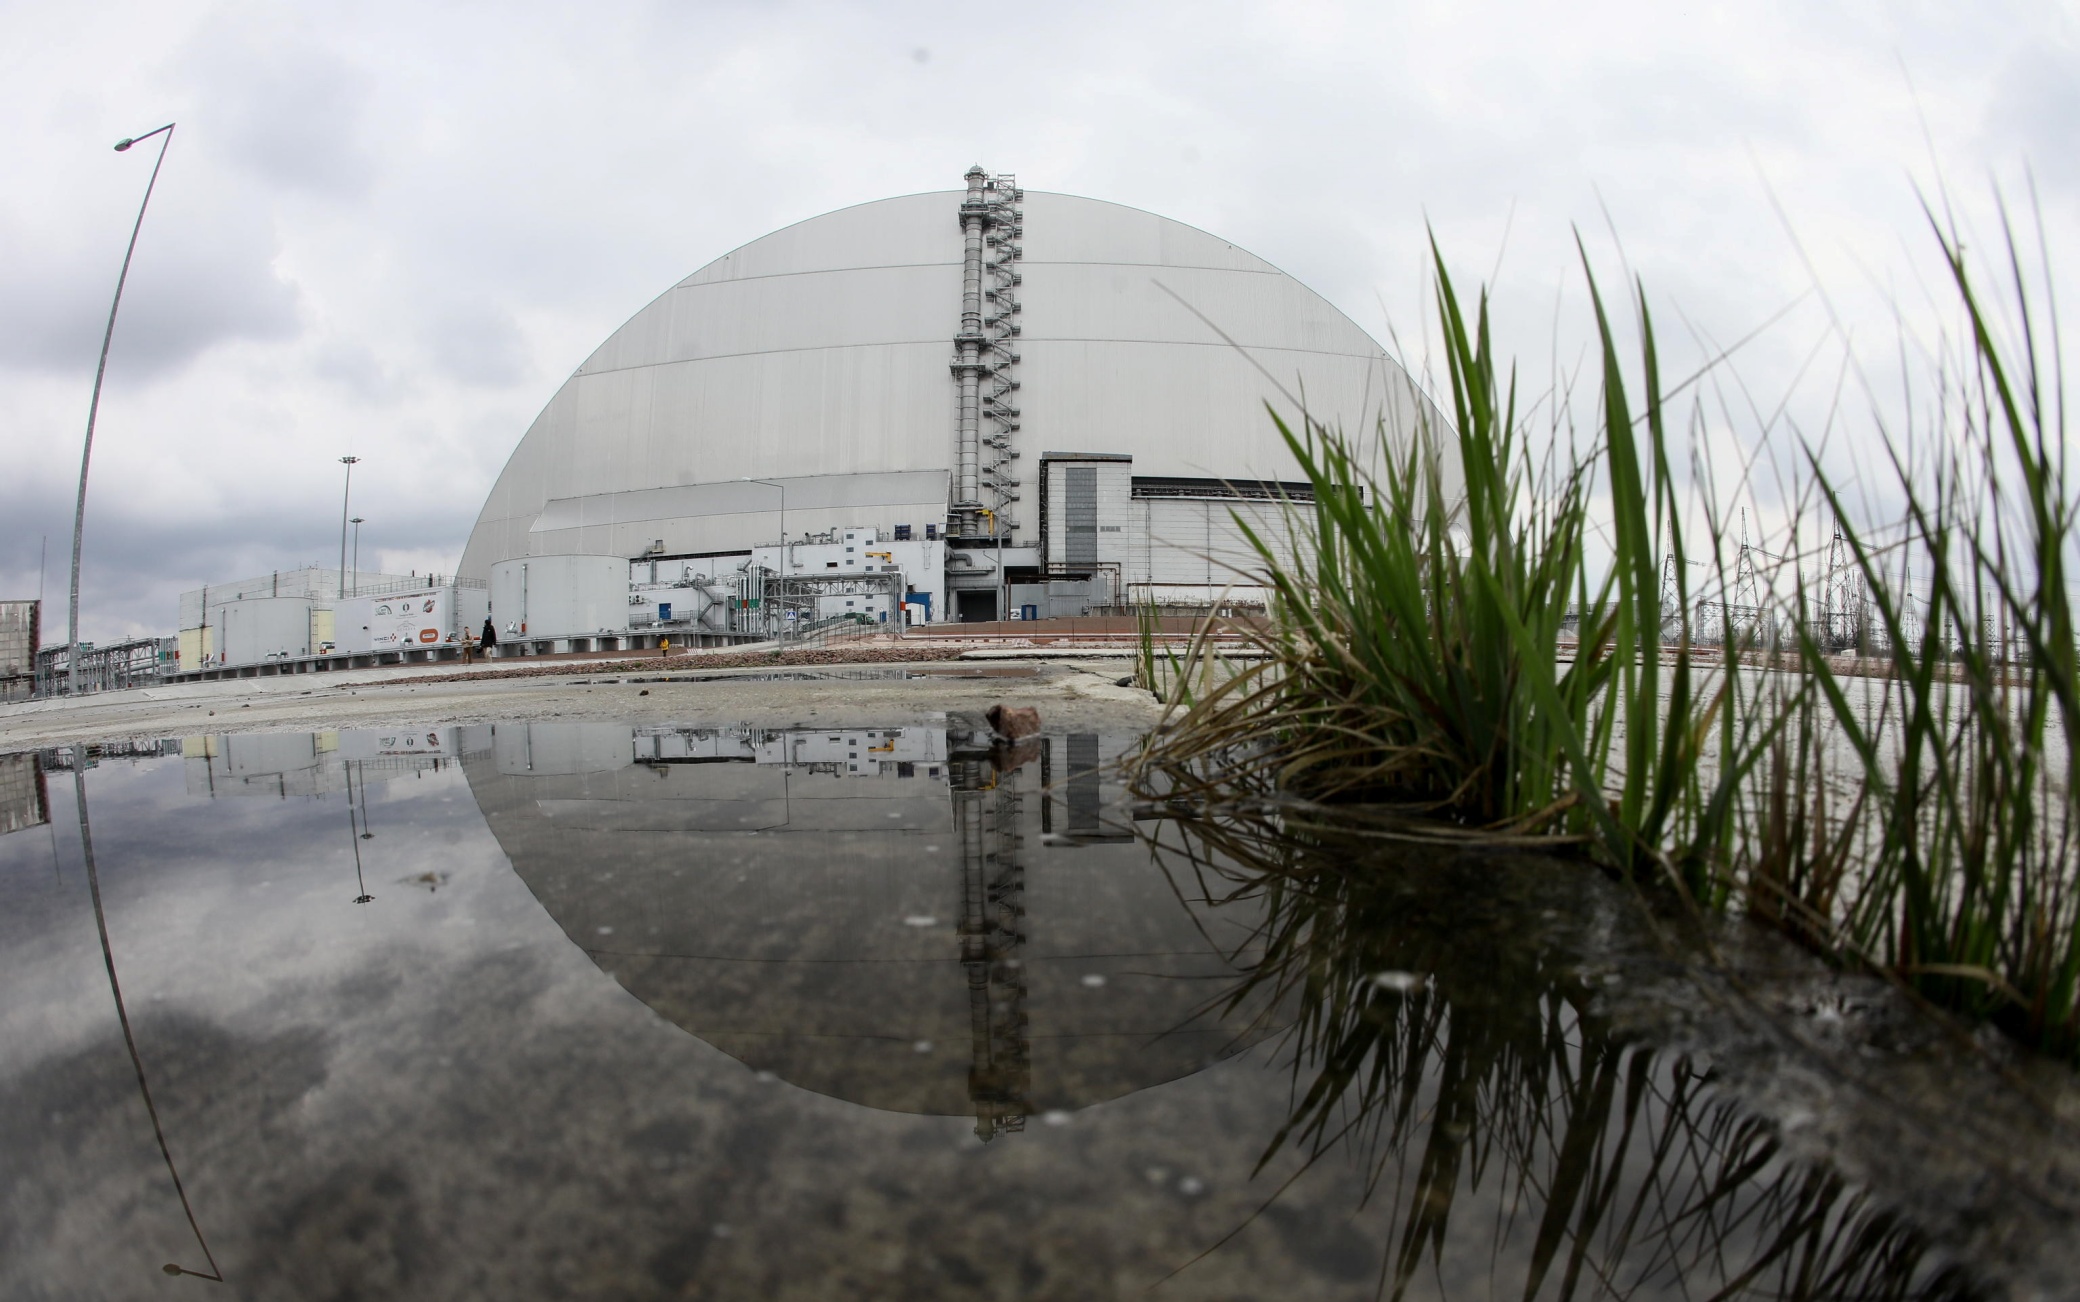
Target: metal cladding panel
[
  {"x": 1198, "y": 410},
  {"x": 1197, "y": 541},
  {"x": 847, "y": 308},
  {"x": 560, "y": 596},
  {"x": 1070, "y": 228},
  {"x": 909, "y": 230},
  {"x": 1255, "y": 309},
  {"x": 802, "y": 492},
  {"x": 260, "y": 627},
  {"x": 712, "y": 517},
  {"x": 763, "y": 415},
  {"x": 823, "y": 349}
]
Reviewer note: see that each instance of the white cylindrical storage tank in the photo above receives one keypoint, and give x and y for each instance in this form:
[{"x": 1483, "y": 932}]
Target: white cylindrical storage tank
[
  {"x": 260, "y": 628},
  {"x": 560, "y": 596}
]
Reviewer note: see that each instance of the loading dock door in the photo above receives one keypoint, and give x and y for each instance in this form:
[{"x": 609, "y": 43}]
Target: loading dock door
[{"x": 976, "y": 607}]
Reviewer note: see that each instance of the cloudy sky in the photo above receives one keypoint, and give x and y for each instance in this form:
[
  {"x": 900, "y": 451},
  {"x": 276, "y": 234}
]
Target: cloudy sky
[{"x": 391, "y": 230}]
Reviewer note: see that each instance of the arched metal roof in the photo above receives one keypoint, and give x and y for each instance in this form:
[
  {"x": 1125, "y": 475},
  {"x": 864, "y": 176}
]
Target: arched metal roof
[{"x": 822, "y": 349}]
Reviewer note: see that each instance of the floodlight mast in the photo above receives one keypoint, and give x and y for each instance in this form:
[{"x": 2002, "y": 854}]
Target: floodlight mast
[
  {"x": 86, "y": 456},
  {"x": 346, "y": 496}
]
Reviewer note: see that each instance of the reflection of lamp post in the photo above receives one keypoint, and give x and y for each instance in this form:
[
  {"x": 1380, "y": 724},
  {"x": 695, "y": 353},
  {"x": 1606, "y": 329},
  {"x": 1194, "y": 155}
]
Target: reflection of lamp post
[
  {"x": 356, "y": 522},
  {"x": 108, "y": 958},
  {"x": 360, "y": 834},
  {"x": 783, "y": 536},
  {"x": 345, "y": 494},
  {"x": 86, "y": 455}
]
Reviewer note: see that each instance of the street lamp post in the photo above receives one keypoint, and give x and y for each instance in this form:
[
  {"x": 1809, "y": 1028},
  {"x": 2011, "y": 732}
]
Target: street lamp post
[
  {"x": 769, "y": 483},
  {"x": 346, "y": 495},
  {"x": 356, "y": 522},
  {"x": 86, "y": 456}
]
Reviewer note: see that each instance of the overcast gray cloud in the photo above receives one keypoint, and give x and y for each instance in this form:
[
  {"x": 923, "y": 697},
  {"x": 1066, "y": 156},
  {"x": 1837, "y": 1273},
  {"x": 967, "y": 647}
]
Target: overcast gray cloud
[
  {"x": 203, "y": 276},
  {"x": 391, "y": 229},
  {"x": 286, "y": 105}
]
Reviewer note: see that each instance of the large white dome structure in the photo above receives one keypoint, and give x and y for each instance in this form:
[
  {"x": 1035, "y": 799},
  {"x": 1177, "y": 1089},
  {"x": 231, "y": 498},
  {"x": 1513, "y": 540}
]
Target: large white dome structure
[{"x": 1061, "y": 388}]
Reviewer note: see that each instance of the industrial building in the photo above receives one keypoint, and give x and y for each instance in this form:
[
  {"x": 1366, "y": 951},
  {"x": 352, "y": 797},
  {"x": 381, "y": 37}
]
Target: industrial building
[
  {"x": 314, "y": 618},
  {"x": 21, "y": 633},
  {"x": 972, "y": 404}
]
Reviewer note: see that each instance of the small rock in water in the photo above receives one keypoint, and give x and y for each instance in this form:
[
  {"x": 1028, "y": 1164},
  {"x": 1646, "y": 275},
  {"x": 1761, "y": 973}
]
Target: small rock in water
[
  {"x": 1054, "y": 1117},
  {"x": 606, "y": 931},
  {"x": 1191, "y": 1186},
  {"x": 1094, "y": 979},
  {"x": 1158, "y": 1174},
  {"x": 1014, "y": 721},
  {"x": 920, "y": 920},
  {"x": 1400, "y": 983}
]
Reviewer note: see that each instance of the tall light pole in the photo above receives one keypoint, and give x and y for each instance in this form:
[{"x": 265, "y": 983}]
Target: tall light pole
[
  {"x": 86, "y": 456},
  {"x": 346, "y": 495},
  {"x": 356, "y": 522}
]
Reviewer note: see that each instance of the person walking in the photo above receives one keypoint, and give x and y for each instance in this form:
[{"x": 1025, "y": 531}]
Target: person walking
[{"x": 490, "y": 638}]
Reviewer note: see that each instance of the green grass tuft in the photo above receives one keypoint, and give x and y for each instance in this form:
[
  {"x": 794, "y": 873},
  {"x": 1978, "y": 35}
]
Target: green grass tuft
[{"x": 1441, "y": 641}]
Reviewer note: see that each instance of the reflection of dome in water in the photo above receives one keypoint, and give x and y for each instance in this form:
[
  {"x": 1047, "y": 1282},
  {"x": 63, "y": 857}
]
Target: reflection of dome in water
[{"x": 866, "y": 917}]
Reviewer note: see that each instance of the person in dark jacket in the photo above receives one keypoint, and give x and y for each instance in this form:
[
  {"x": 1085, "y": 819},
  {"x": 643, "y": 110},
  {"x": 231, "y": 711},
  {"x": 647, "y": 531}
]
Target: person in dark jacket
[{"x": 490, "y": 638}]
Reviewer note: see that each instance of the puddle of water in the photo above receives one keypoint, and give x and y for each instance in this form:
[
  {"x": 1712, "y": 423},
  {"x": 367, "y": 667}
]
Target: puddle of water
[
  {"x": 560, "y": 1009},
  {"x": 817, "y": 675}
]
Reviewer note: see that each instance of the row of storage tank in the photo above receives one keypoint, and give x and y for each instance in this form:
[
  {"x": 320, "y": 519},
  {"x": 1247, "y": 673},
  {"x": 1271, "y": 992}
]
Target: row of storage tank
[
  {"x": 298, "y": 614},
  {"x": 540, "y": 599},
  {"x": 564, "y": 602}
]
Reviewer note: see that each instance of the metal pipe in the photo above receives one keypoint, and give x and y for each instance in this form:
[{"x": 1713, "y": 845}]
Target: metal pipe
[
  {"x": 86, "y": 456},
  {"x": 766, "y": 615},
  {"x": 967, "y": 491}
]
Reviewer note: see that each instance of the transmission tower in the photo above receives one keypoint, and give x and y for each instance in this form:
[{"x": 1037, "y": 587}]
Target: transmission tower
[
  {"x": 1844, "y": 602},
  {"x": 1673, "y": 621}
]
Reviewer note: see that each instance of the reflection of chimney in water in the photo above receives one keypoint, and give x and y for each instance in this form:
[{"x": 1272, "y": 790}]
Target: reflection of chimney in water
[
  {"x": 986, "y": 808},
  {"x": 1086, "y": 804}
]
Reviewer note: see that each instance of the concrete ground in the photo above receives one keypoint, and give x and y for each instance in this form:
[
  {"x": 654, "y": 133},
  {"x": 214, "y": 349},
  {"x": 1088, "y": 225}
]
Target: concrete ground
[{"x": 1074, "y": 693}]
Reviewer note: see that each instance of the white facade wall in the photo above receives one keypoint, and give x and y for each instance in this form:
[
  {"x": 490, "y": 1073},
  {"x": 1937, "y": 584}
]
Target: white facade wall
[
  {"x": 547, "y": 597},
  {"x": 1112, "y": 485},
  {"x": 1197, "y": 542},
  {"x": 264, "y": 628},
  {"x": 402, "y": 621}
]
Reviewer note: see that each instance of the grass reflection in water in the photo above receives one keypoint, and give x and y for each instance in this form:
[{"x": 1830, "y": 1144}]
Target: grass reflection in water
[{"x": 1517, "y": 1147}]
